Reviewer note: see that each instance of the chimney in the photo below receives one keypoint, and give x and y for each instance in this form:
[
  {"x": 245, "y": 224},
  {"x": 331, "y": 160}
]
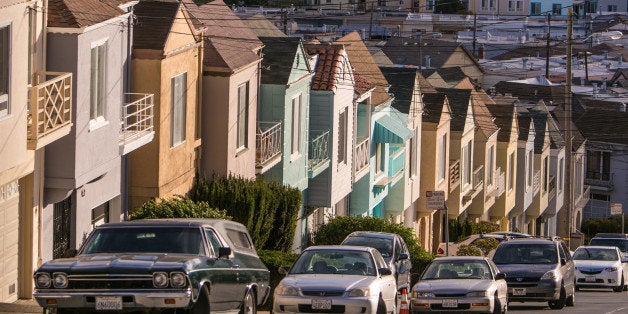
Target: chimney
[
  {"x": 427, "y": 62},
  {"x": 481, "y": 52},
  {"x": 594, "y": 90},
  {"x": 525, "y": 63}
]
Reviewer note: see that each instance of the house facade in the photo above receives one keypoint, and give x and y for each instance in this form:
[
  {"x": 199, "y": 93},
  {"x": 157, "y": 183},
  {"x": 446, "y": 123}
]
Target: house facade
[{"x": 525, "y": 173}]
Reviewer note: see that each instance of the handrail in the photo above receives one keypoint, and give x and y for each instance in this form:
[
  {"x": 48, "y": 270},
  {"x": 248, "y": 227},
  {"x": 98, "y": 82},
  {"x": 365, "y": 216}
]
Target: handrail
[
  {"x": 137, "y": 117},
  {"x": 318, "y": 149},
  {"x": 50, "y": 103},
  {"x": 268, "y": 142}
]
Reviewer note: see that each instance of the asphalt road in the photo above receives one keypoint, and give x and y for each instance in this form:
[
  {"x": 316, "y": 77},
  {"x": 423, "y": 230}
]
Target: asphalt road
[{"x": 588, "y": 301}]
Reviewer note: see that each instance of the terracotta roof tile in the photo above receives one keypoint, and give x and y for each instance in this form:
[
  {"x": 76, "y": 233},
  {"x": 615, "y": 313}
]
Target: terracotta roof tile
[
  {"x": 81, "y": 13},
  {"x": 327, "y": 66},
  {"x": 361, "y": 84}
]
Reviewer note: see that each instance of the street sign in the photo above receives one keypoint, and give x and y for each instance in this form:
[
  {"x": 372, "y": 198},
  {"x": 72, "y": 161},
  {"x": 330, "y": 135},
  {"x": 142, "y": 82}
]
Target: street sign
[
  {"x": 435, "y": 200},
  {"x": 616, "y": 209}
]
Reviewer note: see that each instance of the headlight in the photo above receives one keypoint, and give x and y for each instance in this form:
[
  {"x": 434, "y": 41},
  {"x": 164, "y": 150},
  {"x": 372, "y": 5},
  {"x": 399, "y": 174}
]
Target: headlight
[
  {"x": 286, "y": 290},
  {"x": 360, "y": 292},
  {"x": 420, "y": 294},
  {"x": 178, "y": 280},
  {"x": 160, "y": 280},
  {"x": 611, "y": 269},
  {"x": 42, "y": 280},
  {"x": 550, "y": 275},
  {"x": 477, "y": 294},
  {"x": 60, "y": 280}
]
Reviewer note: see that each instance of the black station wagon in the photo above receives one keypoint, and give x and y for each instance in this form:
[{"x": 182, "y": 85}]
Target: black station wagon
[{"x": 185, "y": 265}]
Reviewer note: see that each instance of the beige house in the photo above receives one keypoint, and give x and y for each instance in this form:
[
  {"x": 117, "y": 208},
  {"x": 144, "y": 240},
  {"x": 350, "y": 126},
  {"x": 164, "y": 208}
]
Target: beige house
[
  {"x": 166, "y": 57},
  {"x": 35, "y": 110},
  {"x": 540, "y": 183}
]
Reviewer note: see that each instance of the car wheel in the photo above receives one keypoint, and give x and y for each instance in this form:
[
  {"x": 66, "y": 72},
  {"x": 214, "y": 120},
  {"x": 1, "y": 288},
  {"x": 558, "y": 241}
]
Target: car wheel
[
  {"x": 571, "y": 300},
  {"x": 560, "y": 303},
  {"x": 620, "y": 288},
  {"x": 249, "y": 306},
  {"x": 497, "y": 307},
  {"x": 201, "y": 306},
  {"x": 381, "y": 306}
]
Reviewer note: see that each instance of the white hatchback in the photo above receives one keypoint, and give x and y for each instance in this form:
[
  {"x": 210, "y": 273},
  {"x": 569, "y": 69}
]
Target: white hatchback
[{"x": 600, "y": 267}]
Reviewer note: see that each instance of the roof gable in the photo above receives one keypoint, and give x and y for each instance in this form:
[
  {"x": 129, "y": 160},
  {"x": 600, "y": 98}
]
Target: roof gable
[
  {"x": 403, "y": 86},
  {"x": 81, "y": 13},
  {"x": 460, "y": 103},
  {"x": 331, "y": 66},
  {"x": 155, "y": 21},
  {"x": 284, "y": 60}
]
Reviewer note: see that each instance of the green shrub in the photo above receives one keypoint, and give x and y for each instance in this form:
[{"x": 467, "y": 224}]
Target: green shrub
[
  {"x": 273, "y": 260},
  {"x": 177, "y": 207},
  {"x": 338, "y": 228},
  {"x": 469, "y": 250},
  {"x": 591, "y": 227},
  {"x": 486, "y": 245},
  {"x": 462, "y": 228}
]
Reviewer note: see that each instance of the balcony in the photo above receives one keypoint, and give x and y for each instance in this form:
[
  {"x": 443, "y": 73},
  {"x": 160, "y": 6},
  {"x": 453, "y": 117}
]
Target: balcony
[
  {"x": 552, "y": 188},
  {"x": 477, "y": 184},
  {"x": 318, "y": 159},
  {"x": 268, "y": 146},
  {"x": 396, "y": 163},
  {"x": 361, "y": 157},
  {"x": 49, "y": 115},
  {"x": 136, "y": 122},
  {"x": 499, "y": 183},
  {"x": 600, "y": 180},
  {"x": 454, "y": 174},
  {"x": 536, "y": 182},
  {"x": 582, "y": 199}
]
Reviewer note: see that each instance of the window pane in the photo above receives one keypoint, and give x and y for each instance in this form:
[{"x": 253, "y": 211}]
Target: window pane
[
  {"x": 342, "y": 134},
  {"x": 296, "y": 125},
  {"x": 179, "y": 107},
  {"x": 243, "y": 101},
  {"x": 93, "y": 95},
  {"x": 442, "y": 145}
]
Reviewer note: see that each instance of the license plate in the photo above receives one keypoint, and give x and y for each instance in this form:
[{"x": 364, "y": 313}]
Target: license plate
[
  {"x": 589, "y": 279},
  {"x": 108, "y": 303},
  {"x": 518, "y": 291},
  {"x": 450, "y": 303},
  {"x": 321, "y": 304}
]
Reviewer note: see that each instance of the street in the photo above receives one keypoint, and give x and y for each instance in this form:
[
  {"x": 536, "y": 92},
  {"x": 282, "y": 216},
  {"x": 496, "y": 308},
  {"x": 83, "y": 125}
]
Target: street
[{"x": 599, "y": 301}]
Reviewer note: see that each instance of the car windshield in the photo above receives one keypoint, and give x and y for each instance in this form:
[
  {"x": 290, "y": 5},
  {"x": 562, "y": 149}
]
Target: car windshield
[
  {"x": 342, "y": 262},
  {"x": 595, "y": 254},
  {"x": 471, "y": 269},
  {"x": 622, "y": 244},
  {"x": 526, "y": 254},
  {"x": 145, "y": 240},
  {"x": 384, "y": 246}
]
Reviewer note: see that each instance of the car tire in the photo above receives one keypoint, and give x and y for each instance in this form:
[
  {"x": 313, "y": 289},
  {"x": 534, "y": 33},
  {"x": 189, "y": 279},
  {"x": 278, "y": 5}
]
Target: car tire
[
  {"x": 619, "y": 288},
  {"x": 381, "y": 306},
  {"x": 249, "y": 304},
  {"x": 560, "y": 303},
  {"x": 201, "y": 306},
  {"x": 571, "y": 300},
  {"x": 497, "y": 307}
]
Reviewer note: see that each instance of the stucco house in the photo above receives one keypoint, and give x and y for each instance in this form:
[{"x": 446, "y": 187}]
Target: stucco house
[
  {"x": 525, "y": 172},
  {"x": 166, "y": 55}
]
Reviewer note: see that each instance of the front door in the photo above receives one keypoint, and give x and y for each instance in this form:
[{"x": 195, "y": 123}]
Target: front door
[{"x": 61, "y": 224}]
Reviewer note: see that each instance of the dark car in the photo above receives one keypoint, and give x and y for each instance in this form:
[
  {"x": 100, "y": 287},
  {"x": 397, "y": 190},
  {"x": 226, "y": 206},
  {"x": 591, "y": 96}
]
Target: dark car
[
  {"x": 619, "y": 240},
  {"x": 186, "y": 264},
  {"x": 393, "y": 249},
  {"x": 537, "y": 270}
]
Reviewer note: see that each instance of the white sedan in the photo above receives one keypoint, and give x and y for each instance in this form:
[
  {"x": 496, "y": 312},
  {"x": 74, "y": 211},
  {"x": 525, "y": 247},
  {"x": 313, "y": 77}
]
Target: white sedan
[
  {"x": 600, "y": 267},
  {"x": 460, "y": 284},
  {"x": 337, "y": 279}
]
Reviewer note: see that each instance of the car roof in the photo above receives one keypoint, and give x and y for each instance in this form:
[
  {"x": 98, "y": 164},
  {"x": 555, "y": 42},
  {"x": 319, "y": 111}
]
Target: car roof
[
  {"x": 516, "y": 241},
  {"x": 372, "y": 234},
  {"x": 611, "y": 236},
  {"x": 340, "y": 248},
  {"x": 598, "y": 247},
  {"x": 175, "y": 222},
  {"x": 459, "y": 258}
]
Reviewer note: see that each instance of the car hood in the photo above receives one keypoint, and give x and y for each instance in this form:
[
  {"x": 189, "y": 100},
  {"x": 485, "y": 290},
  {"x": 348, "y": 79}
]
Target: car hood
[
  {"x": 525, "y": 270},
  {"x": 120, "y": 263},
  {"x": 327, "y": 281},
  {"x": 595, "y": 264},
  {"x": 453, "y": 286}
]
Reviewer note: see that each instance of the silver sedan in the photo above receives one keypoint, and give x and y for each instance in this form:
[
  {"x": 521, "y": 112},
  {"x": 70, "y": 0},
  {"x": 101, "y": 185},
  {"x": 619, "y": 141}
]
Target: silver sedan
[
  {"x": 337, "y": 279},
  {"x": 460, "y": 284}
]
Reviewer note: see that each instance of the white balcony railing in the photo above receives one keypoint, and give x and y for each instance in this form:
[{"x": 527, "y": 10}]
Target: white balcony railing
[
  {"x": 536, "y": 182},
  {"x": 361, "y": 156},
  {"x": 268, "y": 144},
  {"x": 136, "y": 122},
  {"x": 318, "y": 159},
  {"x": 50, "y": 108},
  {"x": 454, "y": 174}
]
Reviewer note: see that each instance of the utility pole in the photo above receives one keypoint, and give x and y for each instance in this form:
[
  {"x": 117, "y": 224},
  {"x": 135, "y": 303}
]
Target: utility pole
[
  {"x": 568, "y": 137},
  {"x": 420, "y": 51},
  {"x": 475, "y": 37},
  {"x": 284, "y": 19},
  {"x": 547, "y": 48},
  {"x": 371, "y": 23}
]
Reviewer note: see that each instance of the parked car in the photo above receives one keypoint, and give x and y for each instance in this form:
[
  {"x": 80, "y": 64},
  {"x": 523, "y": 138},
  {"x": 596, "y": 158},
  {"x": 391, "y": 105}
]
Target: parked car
[
  {"x": 187, "y": 264},
  {"x": 511, "y": 234},
  {"x": 460, "y": 284},
  {"x": 337, "y": 279},
  {"x": 619, "y": 240},
  {"x": 537, "y": 270},
  {"x": 393, "y": 249},
  {"x": 470, "y": 240},
  {"x": 600, "y": 267}
]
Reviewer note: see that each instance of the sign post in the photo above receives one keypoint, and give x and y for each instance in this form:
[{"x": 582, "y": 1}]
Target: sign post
[
  {"x": 616, "y": 209},
  {"x": 435, "y": 200}
]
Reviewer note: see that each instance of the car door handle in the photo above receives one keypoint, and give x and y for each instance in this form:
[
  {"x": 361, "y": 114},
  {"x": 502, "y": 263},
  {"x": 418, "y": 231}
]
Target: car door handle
[{"x": 235, "y": 266}]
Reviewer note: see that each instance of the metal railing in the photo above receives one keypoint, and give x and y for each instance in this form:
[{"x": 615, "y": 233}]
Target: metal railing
[
  {"x": 268, "y": 142},
  {"x": 478, "y": 177},
  {"x": 454, "y": 174},
  {"x": 536, "y": 182},
  {"x": 498, "y": 186},
  {"x": 361, "y": 155},
  {"x": 582, "y": 199},
  {"x": 552, "y": 188},
  {"x": 396, "y": 161},
  {"x": 137, "y": 117},
  {"x": 50, "y": 104},
  {"x": 599, "y": 179},
  {"x": 319, "y": 149}
]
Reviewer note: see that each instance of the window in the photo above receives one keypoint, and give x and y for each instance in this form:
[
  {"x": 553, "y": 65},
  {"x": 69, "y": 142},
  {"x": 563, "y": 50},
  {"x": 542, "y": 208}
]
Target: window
[
  {"x": 491, "y": 4},
  {"x": 379, "y": 157},
  {"x": 489, "y": 166},
  {"x": 5, "y": 52},
  {"x": 535, "y": 8},
  {"x": 442, "y": 146},
  {"x": 590, "y": 6},
  {"x": 612, "y": 8},
  {"x": 429, "y": 6},
  {"x": 545, "y": 174},
  {"x": 519, "y": 6},
  {"x": 561, "y": 165},
  {"x": 556, "y": 8},
  {"x": 511, "y": 5},
  {"x": 529, "y": 165},
  {"x": 413, "y": 153},
  {"x": 296, "y": 125},
  {"x": 467, "y": 152},
  {"x": 97, "y": 80},
  {"x": 240, "y": 239},
  {"x": 214, "y": 243},
  {"x": 342, "y": 137},
  {"x": 100, "y": 215},
  {"x": 598, "y": 165},
  {"x": 179, "y": 105},
  {"x": 243, "y": 115},
  {"x": 485, "y": 5},
  {"x": 511, "y": 171}
]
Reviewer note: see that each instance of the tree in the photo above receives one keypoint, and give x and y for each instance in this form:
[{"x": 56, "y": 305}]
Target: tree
[{"x": 450, "y": 7}]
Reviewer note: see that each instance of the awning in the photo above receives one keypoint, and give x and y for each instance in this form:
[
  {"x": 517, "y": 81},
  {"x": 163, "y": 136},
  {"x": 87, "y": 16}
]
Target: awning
[{"x": 389, "y": 129}]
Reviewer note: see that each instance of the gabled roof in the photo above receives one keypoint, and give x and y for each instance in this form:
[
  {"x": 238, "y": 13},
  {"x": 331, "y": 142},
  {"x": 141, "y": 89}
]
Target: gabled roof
[
  {"x": 81, "y": 13},
  {"x": 524, "y": 125},
  {"x": 402, "y": 85},
  {"x": 327, "y": 66},
  {"x": 578, "y": 138},
  {"x": 532, "y": 92},
  {"x": 598, "y": 104},
  {"x": 279, "y": 56},
  {"x": 154, "y": 23},
  {"x": 603, "y": 126},
  {"x": 360, "y": 84},
  {"x": 262, "y": 27},
  {"x": 539, "y": 119},
  {"x": 459, "y": 101},
  {"x": 229, "y": 43},
  {"x": 620, "y": 77},
  {"x": 482, "y": 116},
  {"x": 505, "y": 115},
  {"x": 363, "y": 63},
  {"x": 433, "y": 104}
]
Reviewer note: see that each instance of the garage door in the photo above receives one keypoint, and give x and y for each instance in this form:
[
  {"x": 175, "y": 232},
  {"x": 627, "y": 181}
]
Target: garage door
[{"x": 9, "y": 221}]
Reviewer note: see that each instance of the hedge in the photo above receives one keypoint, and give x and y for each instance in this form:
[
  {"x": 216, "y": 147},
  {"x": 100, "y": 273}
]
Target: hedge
[
  {"x": 469, "y": 250},
  {"x": 177, "y": 207},
  {"x": 462, "y": 228}
]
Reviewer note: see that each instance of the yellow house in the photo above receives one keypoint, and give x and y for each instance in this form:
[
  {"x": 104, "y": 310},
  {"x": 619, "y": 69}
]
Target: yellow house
[
  {"x": 540, "y": 183},
  {"x": 167, "y": 53}
]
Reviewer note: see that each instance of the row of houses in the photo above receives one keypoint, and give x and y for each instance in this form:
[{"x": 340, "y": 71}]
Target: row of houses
[{"x": 101, "y": 112}]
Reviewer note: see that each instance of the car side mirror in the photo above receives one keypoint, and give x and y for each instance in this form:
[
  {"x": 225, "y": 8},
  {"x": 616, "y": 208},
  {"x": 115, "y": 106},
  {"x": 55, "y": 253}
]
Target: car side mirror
[
  {"x": 500, "y": 276},
  {"x": 563, "y": 261},
  {"x": 403, "y": 256},
  {"x": 224, "y": 252},
  {"x": 283, "y": 270},
  {"x": 385, "y": 271},
  {"x": 70, "y": 253}
]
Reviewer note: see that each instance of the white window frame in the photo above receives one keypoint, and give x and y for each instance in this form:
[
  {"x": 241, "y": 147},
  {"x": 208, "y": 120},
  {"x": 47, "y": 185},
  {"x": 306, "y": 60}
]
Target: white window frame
[
  {"x": 295, "y": 147},
  {"x": 511, "y": 171},
  {"x": 490, "y": 164},
  {"x": 545, "y": 174},
  {"x": 98, "y": 84},
  {"x": 430, "y": 5},
  {"x": 379, "y": 158},
  {"x": 242, "y": 116},
  {"x": 342, "y": 136},
  {"x": 441, "y": 156},
  {"x": 511, "y": 5},
  {"x": 179, "y": 102},
  {"x": 413, "y": 153},
  {"x": 5, "y": 54},
  {"x": 519, "y": 6},
  {"x": 467, "y": 162},
  {"x": 529, "y": 164},
  {"x": 561, "y": 172}
]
